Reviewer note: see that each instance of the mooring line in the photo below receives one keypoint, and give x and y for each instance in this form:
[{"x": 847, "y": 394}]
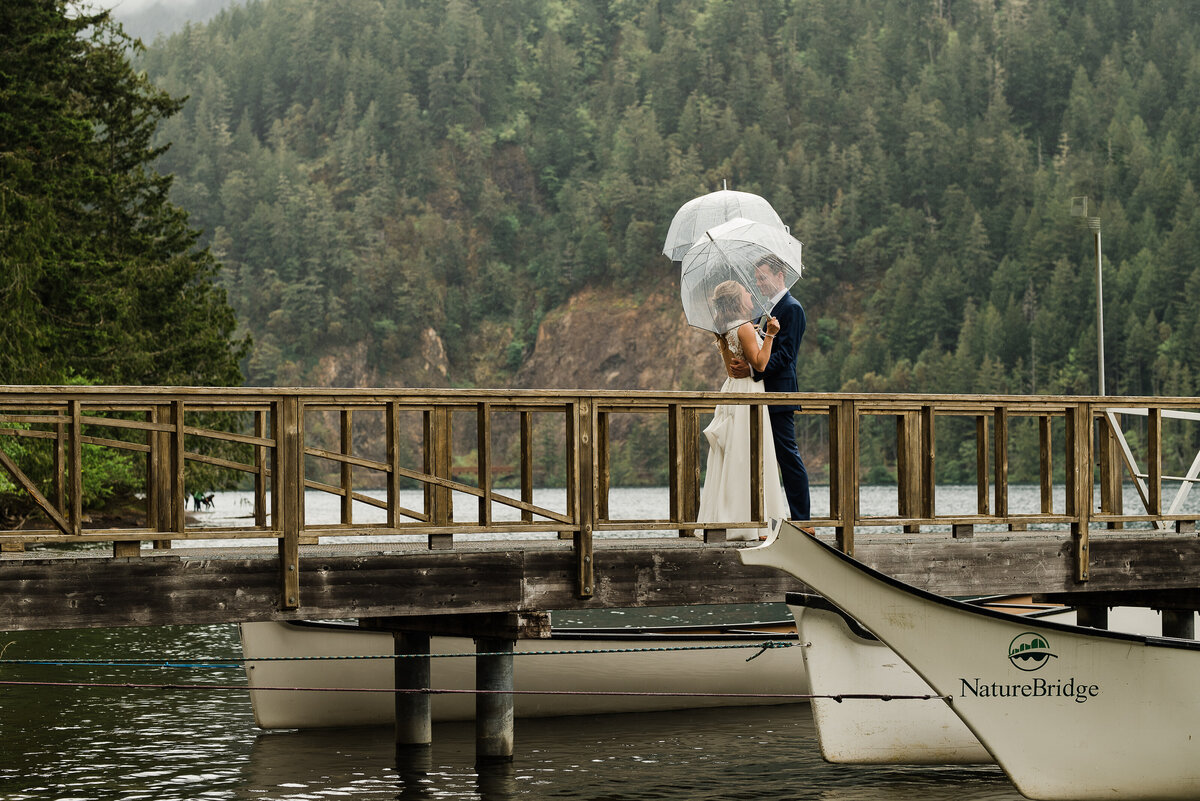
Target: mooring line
[
  {"x": 239, "y": 661},
  {"x": 839, "y": 697}
]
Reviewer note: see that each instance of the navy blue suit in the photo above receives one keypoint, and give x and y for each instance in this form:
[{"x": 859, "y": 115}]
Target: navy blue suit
[{"x": 780, "y": 376}]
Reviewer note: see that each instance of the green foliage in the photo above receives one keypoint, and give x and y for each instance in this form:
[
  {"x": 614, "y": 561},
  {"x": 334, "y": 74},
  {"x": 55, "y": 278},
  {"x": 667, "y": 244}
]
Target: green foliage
[
  {"x": 369, "y": 172},
  {"x": 106, "y": 472},
  {"x": 101, "y": 276}
]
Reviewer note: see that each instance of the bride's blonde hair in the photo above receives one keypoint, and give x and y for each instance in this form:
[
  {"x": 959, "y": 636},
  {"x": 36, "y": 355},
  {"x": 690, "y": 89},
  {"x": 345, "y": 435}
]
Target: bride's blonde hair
[{"x": 727, "y": 303}]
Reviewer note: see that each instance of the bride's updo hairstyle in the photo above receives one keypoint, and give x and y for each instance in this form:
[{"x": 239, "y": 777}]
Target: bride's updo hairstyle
[{"x": 727, "y": 305}]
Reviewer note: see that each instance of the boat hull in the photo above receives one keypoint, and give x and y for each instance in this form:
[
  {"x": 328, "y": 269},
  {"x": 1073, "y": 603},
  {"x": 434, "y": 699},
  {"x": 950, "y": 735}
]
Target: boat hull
[
  {"x": 1067, "y": 712},
  {"x": 841, "y": 658},
  {"x": 840, "y": 662},
  {"x": 716, "y": 675}
]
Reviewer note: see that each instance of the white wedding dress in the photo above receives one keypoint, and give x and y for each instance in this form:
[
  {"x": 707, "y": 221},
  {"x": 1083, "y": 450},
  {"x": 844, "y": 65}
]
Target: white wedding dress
[{"x": 725, "y": 496}]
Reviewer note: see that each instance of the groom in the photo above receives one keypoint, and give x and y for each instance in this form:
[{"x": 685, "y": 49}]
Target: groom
[{"x": 780, "y": 376}]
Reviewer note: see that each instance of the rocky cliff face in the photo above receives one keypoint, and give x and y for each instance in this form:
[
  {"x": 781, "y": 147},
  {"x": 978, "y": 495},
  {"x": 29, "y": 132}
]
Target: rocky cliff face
[
  {"x": 601, "y": 339},
  {"x": 606, "y": 339}
]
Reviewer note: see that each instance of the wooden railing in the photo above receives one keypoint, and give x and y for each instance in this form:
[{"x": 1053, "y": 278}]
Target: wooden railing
[{"x": 349, "y": 442}]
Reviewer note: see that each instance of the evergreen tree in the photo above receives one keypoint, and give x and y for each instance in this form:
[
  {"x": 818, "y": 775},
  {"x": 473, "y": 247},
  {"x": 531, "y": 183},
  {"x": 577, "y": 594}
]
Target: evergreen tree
[{"x": 102, "y": 278}]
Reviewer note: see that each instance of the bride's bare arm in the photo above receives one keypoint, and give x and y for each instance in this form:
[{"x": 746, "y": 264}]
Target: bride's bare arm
[{"x": 757, "y": 356}]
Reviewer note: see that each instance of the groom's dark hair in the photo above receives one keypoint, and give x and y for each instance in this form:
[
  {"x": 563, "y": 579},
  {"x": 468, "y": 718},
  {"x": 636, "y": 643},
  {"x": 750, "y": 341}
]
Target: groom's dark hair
[{"x": 772, "y": 263}]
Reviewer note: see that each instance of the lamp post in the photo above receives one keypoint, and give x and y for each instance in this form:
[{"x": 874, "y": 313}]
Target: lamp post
[{"x": 1079, "y": 209}]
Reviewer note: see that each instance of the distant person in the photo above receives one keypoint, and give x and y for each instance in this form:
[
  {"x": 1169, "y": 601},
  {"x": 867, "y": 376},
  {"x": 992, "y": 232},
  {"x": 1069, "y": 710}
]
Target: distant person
[
  {"x": 725, "y": 496},
  {"x": 779, "y": 375},
  {"x": 197, "y": 500}
]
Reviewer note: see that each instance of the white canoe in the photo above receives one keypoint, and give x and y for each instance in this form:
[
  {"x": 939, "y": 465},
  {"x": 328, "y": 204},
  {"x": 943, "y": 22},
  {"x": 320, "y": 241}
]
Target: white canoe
[
  {"x": 1068, "y": 712},
  {"x": 717, "y": 676},
  {"x": 841, "y": 659}
]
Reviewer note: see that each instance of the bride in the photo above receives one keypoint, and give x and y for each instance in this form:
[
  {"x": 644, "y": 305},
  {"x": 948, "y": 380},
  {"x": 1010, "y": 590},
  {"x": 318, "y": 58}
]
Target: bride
[{"x": 725, "y": 496}]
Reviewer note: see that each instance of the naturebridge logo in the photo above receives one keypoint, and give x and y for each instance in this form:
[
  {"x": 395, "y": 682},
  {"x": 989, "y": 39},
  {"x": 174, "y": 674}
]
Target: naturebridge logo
[{"x": 1029, "y": 651}]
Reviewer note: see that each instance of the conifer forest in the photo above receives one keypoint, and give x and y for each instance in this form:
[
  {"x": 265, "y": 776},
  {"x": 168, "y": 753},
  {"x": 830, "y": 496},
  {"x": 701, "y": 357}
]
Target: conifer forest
[{"x": 355, "y": 171}]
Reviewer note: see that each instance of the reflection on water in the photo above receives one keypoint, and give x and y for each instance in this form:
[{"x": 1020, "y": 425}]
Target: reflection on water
[
  {"x": 137, "y": 743},
  {"x": 130, "y": 742},
  {"x": 766, "y": 752}
]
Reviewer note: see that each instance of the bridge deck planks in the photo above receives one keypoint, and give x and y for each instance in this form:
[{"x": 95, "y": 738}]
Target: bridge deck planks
[{"x": 48, "y": 590}]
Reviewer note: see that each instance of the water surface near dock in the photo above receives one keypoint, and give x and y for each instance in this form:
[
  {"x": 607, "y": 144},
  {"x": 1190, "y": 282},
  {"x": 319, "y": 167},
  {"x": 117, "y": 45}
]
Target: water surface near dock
[
  {"x": 130, "y": 743},
  {"x": 87, "y": 743}
]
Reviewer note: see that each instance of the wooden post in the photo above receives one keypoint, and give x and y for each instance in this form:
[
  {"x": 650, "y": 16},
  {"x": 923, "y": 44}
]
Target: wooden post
[
  {"x": 1111, "y": 470},
  {"x": 347, "y": 449},
  {"x": 836, "y": 499},
  {"x": 60, "y": 460},
  {"x": 1093, "y": 616},
  {"x": 982, "y": 500},
  {"x": 526, "y": 463},
  {"x": 1179, "y": 623},
  {"x": 287, "y": 494},
  {"x": 580, "y": 440},
  {"x": 1046, "y": 464},
  {"x": 689, "y": 466},
  {"x": 483, "y": 448},
  {"x": 1079, "y": 483},
  {"x": 1001, "y": 464},
  {"x": 908, "y": 468},
  {"x": 392, "y": 429},
  {"x": 928, "y": 463},
  {"x": 414, "y": 719},
  {"x": 427, "y": 461},
  {"x": 570, "y": 442},
  {"x": 179, "y": 487},
  {"x": 161, "y": 496},
  {"x": 1154, "y": 460},
  {"x": 604, "y": 477},
  {"x": 261, "y": 461},
  {"x": 675, "y": 469},
  {"x": 75, "y": 446},
  {"x": 843, "y": 446},
  {"x": 439, "y": 452},
  {"x": 494, "y": 707}
]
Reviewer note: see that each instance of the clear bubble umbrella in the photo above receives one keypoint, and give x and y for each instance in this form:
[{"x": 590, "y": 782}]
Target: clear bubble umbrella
[
  {"x": 704, "y": 212},
  {"x": 737, "y": 255}
]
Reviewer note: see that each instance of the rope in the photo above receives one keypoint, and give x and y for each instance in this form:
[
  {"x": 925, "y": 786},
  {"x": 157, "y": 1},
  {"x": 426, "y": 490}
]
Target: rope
[
  {"x": 210, "y": 663},
  {"x": 234, "y": 662},
  {"x": 431, "y": 691}
]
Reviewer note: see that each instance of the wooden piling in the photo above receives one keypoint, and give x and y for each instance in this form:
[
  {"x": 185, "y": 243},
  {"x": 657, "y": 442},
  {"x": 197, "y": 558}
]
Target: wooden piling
[
  {"x": 1092, "y": 615},
  {"x": 1179, "y": 623},
  {"x": 414, "y": 718},
  {"x": 494, "y": 706}
]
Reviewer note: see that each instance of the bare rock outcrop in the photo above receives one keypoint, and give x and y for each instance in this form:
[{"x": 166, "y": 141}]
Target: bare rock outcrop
[{"x": 605, "y": 339}]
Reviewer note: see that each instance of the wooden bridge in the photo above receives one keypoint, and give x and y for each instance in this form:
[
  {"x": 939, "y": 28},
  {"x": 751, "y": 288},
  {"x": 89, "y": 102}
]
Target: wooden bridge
[{"x": 371, "y": 447}]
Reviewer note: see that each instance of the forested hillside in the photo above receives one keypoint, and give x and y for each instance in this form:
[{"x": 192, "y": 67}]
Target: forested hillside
[{"x": 375, "y": 172}]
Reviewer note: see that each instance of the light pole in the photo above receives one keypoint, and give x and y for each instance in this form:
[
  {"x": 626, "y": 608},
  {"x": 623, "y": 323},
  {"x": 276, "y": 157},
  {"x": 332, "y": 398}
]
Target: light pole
[{"x": 1079, "y": 209}]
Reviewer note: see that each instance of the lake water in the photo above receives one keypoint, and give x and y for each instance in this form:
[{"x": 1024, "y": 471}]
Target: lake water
[
  {"x": 235, "y": 509},
  {"x": 128, "y": 742}
]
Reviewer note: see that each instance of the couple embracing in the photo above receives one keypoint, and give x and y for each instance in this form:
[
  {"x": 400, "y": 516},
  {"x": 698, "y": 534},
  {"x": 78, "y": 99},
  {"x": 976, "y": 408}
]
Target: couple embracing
[{"x": 756, "y": 361}]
